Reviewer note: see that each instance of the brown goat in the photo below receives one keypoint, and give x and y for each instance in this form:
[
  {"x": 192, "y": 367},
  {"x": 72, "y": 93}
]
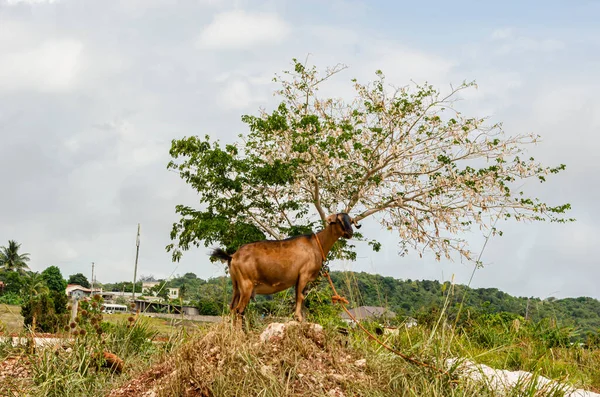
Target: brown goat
[{"x": 269, "y": 266}]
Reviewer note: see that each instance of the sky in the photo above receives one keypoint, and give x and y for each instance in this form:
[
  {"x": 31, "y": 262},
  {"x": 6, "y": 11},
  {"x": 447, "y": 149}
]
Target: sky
[{"x": 93, "y": 92}]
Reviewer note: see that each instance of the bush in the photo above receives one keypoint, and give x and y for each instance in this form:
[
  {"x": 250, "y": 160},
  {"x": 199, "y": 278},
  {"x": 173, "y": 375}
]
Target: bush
[
  {"x": 43, "y": 309},
  {"x": 11, "y": 298},
  {"x": 60, "y": 301}
]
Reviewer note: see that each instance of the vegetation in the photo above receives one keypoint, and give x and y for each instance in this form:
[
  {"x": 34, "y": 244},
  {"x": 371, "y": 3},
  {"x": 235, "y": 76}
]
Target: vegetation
[
  {"x": 54, "y": 279},
  {"x": 404, "y": 154},
  {"x": 491, "y": 329},
  {"x": 39, "y": 314},
  {"x": 81, "y": 366},
  {"x": 305, "y": 362},
  {"x": 420, "y": 299},
  {"x": 11, "y": 260},
  {"x": 79, "y": 279},
  {"x": 123, "y": 286}
]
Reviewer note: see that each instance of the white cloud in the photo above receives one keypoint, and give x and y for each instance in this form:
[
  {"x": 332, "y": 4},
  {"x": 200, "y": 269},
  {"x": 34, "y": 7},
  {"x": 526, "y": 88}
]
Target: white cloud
[
  {"x": 400, "y": 65},
  {"x": 503, "y": 33},
  {"x": 239, "y": 94},
  {"x": 511, "y": 42},
  {"x": 51, "y": 66},
  {"x": 15, "y": 2},
  {"x": 240, "y": 30}
]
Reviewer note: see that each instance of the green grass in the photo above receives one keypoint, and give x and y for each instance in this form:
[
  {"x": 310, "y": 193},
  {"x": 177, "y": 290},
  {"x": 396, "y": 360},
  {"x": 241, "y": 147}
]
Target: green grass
[
  {"x": 197, "y": 358},
  {"x": 162, "y": 326},
  {"x": 303, "y": 363}
]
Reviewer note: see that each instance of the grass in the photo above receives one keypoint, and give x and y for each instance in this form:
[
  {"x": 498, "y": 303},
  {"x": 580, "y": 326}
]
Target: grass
[
  {"x": 78, "y": 366},
  {"x": 303, "y": 363},
  {"x": 218, "y": 360},
  {"x": 163, "y": 327},
  {"x": 11, "y": 320}
]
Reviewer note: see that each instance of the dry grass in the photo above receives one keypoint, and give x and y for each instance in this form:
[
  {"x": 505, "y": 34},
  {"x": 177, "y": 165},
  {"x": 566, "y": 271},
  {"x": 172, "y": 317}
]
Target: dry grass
[
  {"x": 222, "y": 361},
  {"x": 11, "y": 320}
]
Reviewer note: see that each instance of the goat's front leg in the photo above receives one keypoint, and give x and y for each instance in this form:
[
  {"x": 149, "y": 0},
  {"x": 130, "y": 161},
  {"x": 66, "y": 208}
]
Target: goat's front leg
[{"x": 300, "y": 285}]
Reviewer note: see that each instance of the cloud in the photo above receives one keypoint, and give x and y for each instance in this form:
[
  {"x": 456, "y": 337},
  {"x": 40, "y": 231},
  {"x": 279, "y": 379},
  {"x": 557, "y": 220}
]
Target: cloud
[
  {"x": 30, "y": 2},
  {"x": 510, "y": 42},
  {"x": 52, "y": 66},
  {"x": 91, "y": 96},
  {"x": 235, "y": 30}
]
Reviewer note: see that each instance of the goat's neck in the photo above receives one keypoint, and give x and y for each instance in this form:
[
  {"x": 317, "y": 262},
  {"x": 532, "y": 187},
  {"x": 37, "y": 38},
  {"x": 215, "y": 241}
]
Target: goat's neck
[{"x": 328, "y": 237}]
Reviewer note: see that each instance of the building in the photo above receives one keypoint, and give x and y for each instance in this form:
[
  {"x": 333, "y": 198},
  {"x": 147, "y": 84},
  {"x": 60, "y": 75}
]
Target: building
[
  {"x": 77, "y": 291},
  {"x": 362, "y": 313},
  {"x": 111, "y": 296},
  {"x": 148, "y": 285},
  {"x": 173, "y": 293}
]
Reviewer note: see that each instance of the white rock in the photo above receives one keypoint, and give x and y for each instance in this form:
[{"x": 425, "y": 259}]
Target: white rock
[
  {"x": 276, "y": 330},
  {"x": 273, "y": 330},
  {"x": 503, "y": 380}
]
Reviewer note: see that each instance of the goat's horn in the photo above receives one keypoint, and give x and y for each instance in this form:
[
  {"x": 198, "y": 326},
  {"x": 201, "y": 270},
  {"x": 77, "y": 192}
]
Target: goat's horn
[{"x": 355, "y": 223}]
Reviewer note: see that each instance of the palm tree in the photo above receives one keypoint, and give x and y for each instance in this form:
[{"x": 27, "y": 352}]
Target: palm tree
[
  {"x": 11, "y": 260},
  {"x": 34, "y": 285}
]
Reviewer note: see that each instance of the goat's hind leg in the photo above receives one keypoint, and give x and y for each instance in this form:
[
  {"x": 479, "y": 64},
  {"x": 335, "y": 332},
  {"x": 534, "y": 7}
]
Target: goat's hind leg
[
  {"x": 300, "y": 286},
  {"x": 245, "y": 293},
  {"x": 236, "y": 295}
]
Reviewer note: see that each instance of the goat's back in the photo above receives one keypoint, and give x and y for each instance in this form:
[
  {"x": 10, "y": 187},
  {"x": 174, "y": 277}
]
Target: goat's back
[{"x": 274, "y": 261}]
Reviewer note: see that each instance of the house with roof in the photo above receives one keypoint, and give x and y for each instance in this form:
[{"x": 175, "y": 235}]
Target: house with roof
[{"x": 77, "y": 291}]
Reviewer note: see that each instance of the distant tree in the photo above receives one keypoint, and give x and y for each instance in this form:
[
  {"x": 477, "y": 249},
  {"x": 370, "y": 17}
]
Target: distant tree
[
  {"x": 79, "y": 279},
  {"x": 54, "y": 279},
  {"x": 11, "y": 259},
  {"x": 144, "y": 277}
]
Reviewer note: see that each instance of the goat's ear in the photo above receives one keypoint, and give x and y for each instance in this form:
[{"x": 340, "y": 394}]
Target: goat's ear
[{"x": 331, "y": 219}]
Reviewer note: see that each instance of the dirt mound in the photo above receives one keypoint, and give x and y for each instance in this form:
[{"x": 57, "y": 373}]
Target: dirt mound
[{"x": 297, "y": 360}]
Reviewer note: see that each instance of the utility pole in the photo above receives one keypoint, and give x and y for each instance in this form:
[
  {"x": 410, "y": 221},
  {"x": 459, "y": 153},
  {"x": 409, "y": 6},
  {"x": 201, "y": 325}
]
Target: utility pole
[
  {"x": 137, "y": 252},
  {"x": 92, "y": 293}
]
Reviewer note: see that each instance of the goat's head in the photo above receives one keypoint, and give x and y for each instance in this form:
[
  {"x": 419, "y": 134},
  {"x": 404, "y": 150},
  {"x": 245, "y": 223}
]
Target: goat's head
[{"x": 344, "y": 222}]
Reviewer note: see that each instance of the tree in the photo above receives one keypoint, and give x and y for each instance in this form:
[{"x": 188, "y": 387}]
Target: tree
[
  {"x": 13, "y": 281},
  {"x": 11, "y": 260},
  {"x": 42, "y": 308},
  {"x": 79, "y": 279},
  {"x": 33, "y": 285},
  {"x": 404, "y": 156},
  {"x": 54, "y": 279}
]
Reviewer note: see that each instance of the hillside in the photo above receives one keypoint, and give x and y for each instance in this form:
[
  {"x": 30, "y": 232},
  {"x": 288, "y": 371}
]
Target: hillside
[
  {"x": 410, "y": 297},
  {"x": 405, "y": 297}
]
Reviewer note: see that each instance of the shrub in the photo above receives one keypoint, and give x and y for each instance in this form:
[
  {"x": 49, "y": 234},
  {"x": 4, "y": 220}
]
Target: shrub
[
  {"x": 11, "y": 298},
  {"x": 43, "y": 309}
]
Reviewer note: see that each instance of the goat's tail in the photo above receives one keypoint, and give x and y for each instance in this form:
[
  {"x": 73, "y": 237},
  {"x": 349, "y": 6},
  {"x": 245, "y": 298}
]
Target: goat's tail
[{"x": 220, "y": 254}]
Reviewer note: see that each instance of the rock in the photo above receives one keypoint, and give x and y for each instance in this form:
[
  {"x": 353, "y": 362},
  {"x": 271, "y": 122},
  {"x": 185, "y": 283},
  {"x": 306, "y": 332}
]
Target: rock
[
  {"x": 273, "y": 330},
  {"x": 502, "y": 380},
  {"x": 361, "y": 363},
  {"x": 276, "y": 331}
]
